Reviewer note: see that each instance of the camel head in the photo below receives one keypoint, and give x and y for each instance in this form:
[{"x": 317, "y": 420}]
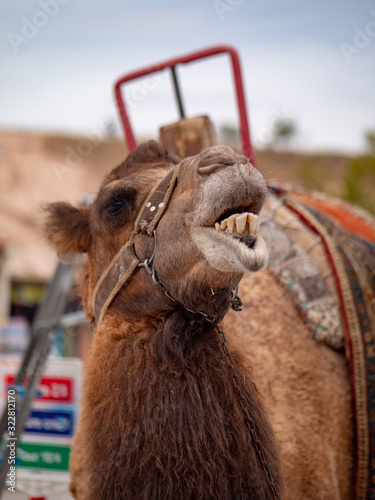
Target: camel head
[{"x": 205, "y": 240}]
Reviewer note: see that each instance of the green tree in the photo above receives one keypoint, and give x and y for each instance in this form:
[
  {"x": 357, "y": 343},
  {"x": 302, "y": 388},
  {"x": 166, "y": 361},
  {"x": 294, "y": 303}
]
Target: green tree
[
  {"x": 284, "y": 129},
  {"x": 360, "y": 182},
  {"x": 370, "y": 141}
]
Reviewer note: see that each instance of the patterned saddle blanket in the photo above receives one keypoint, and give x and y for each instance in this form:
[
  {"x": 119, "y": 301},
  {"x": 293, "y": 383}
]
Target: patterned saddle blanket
[{"x": 322, "y": 251}]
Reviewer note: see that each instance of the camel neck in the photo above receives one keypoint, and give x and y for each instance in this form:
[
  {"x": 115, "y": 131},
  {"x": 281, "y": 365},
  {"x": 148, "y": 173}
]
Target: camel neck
[{"x": 168, "y": 397}]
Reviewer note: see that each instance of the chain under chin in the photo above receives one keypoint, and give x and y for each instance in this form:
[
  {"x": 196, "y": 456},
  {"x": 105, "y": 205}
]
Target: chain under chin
[
  {"x": 236, "y": 305},
  {"x": 244, "y": 403}
]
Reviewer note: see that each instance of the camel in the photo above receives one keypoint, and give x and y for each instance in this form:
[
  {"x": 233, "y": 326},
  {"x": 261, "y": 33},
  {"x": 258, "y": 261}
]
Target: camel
[{"x": 182, "y": 398}]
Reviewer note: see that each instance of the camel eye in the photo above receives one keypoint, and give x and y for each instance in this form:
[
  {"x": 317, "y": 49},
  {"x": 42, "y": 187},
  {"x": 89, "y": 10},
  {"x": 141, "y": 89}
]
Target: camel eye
[
  {"x": 121, "y": 200},
  {"x": 115, "y": 207}
]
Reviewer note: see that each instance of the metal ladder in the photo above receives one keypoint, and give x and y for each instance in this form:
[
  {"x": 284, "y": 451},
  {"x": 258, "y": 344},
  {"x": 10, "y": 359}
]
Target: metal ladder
[{"x": 48, "y": 317}]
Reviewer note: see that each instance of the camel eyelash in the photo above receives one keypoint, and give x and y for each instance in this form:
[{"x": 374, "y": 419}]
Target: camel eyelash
[{"x": 118, "y": 200}]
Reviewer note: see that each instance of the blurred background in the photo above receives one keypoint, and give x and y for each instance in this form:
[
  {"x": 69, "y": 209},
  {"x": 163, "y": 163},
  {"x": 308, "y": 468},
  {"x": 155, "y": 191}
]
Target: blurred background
[
  {"x": 309, "y": 77},
  {"x": 312, "y": 63}
]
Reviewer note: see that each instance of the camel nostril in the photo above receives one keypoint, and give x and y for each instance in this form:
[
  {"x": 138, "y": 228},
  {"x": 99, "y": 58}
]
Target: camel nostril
[
  {"x": 208, "y": 169},
  {"x": 206, "y": 166},
  {"x": 218, "y": 157}
]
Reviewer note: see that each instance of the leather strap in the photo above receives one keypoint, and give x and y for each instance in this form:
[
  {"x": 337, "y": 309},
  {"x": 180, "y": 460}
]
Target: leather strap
[
  {"x": 125, "y": 263},
  {"x": 156, "y": 204},
  {"x": 117, "y": 275}
]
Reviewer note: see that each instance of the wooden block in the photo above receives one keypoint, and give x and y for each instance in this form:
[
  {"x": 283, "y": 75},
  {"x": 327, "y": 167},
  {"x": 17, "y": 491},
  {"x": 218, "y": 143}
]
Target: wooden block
[{"x": 189, "y": 136}]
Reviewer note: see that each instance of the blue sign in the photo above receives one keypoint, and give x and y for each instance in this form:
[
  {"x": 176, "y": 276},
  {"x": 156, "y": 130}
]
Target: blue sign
[{"x": 51, "y": 423}]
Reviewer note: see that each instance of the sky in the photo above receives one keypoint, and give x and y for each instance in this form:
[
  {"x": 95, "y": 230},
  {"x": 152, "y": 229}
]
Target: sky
[{"x": 312, "y": 62}]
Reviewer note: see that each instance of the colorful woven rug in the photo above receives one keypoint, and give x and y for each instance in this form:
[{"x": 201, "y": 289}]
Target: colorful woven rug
[
  {"x": 303, "y": 270},
  {"x": 348, "y": 236}
]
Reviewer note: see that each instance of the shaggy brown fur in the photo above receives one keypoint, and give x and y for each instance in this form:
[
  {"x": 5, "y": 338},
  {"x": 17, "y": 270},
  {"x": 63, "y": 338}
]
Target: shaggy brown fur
[
  {"x": 305, "y": 387},
  {"x": 166, "y": 417},
  {"x": 160, "y": 416}
]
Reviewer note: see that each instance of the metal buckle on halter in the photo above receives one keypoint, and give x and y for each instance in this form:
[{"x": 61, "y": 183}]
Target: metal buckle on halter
[
  {"x": 147, "y": 263},
  {"x": 236, "y": 302}
]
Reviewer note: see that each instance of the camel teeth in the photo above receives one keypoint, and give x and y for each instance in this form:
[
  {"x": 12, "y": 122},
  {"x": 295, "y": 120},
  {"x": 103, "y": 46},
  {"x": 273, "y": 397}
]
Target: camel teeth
[
  {"x": 238, "y": 224},
  {"x": 241, "y": 221},
  {"x": 231, "y": 221},
  {"x": 253, "y": 223},
  {"x": 223, "y": 224}
]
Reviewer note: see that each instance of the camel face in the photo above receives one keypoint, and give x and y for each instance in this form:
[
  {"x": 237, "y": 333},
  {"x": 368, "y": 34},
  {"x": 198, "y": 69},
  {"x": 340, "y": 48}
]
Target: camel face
[
  {"x": 205, "y": 241},
  {"x": 224, "y": 220},
  {"x": 209, "y": 230}
]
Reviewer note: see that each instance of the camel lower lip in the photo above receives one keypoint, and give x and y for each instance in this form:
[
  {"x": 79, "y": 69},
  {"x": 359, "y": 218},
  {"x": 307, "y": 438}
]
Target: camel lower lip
[
  {"x": 248, "y": 240},
  {"x": 231, "y": 253},
  {"x": 245, "y": 239}
]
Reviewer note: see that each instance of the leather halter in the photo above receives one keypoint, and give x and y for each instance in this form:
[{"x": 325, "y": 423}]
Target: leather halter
[{"x": 125, "y": 263}]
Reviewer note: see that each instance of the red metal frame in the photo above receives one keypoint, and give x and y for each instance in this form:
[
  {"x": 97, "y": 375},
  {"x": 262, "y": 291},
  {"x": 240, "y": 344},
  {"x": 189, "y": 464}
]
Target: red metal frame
[{"x": 171, "y": 63}]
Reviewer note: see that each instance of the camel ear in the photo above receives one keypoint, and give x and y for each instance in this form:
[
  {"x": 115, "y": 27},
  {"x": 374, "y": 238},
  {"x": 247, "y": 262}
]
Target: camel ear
[
  {"x": 68, "y": 228},
  {"x": 152, "y": 152}
]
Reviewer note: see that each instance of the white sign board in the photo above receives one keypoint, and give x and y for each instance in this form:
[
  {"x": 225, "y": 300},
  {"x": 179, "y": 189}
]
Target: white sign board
[{"x": 44, "y": 447}]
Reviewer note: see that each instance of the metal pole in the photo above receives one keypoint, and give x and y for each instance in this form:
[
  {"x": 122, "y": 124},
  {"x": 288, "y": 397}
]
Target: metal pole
[{"x": 177, "y": 92}]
